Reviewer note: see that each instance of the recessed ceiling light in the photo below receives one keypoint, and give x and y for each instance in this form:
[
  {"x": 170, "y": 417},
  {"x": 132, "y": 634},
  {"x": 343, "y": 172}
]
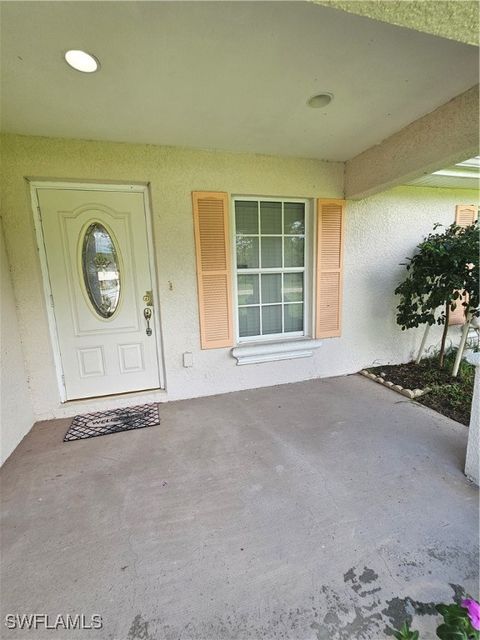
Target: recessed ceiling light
[
  {"x": 82, "y": 61},
  {"x": 320, "y": 100}
]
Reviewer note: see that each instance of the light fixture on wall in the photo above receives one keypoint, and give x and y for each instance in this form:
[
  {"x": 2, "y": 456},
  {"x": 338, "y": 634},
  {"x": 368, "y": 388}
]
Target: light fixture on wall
[
  {"x": 320, "y": 100},
  {"x": 82, "y": 61}
]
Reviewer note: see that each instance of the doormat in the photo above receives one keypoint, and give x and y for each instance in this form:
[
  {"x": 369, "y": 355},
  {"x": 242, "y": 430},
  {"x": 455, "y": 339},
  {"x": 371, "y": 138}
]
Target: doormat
[{"x": 101, "y": 423}]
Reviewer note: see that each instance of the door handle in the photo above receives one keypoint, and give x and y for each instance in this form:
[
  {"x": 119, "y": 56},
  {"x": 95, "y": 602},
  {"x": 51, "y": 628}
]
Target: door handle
[{"x": 147, "y": 314}]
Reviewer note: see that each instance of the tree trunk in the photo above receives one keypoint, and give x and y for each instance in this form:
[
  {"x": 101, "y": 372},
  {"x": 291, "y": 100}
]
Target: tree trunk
[{"x": 444, "y": 334}]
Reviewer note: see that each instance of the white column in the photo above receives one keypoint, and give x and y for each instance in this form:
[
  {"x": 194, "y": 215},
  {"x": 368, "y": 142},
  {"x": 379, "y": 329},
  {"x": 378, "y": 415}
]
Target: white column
[{"x": 472, "y": 463}]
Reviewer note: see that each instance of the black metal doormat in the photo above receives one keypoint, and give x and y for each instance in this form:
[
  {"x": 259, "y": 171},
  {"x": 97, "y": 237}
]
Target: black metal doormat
[{"x": 101, "y": 423}]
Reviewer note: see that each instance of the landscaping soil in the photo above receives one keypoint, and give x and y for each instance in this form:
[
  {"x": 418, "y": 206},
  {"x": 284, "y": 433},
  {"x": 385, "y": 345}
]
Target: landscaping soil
[{"x": 450, "y": 396}]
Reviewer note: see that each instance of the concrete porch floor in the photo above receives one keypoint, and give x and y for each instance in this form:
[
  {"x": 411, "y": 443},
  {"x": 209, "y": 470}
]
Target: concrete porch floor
[{"x": 320, "y": 510}]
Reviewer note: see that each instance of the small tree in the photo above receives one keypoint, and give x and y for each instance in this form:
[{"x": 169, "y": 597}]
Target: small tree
[{"x": 443, "y": 273}]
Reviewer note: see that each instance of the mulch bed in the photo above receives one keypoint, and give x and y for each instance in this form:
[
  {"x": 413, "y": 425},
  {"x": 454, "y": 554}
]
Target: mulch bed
[{"x": 450, "y": 396}]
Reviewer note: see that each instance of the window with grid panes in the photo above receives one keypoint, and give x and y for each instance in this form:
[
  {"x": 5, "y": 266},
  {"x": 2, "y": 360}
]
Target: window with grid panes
[{"x": 271, "y": 245}]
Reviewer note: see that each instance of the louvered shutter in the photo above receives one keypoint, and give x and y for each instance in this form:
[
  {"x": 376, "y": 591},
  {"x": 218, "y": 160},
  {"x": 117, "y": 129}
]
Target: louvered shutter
[
  {"x": 457, "y": 316},
  {"x": 465, "y": 214},
  {"x": 330, "y": 231},
  {"x": 210, "y": 213}
]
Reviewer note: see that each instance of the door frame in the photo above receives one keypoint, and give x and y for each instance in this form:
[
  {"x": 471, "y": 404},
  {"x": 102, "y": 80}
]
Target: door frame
[{"x": 39, "y": 184}]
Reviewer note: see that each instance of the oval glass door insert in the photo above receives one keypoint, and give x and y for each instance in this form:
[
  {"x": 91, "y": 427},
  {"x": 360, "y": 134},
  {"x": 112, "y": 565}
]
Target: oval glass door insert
[{"x": 101, "y": 272}]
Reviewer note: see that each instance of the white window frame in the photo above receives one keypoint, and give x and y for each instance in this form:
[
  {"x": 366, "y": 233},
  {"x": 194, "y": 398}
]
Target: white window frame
[{"x": 307, "y": 271}]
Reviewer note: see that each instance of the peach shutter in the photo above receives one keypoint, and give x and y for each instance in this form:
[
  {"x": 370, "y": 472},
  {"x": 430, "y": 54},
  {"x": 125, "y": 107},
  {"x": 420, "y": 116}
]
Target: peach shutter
[
  {"x": 465, "y": 214},
  {"x": 330, "y": 231},
  {"x": 210, "y": 214},
  {"x": 457, "y": 316}
]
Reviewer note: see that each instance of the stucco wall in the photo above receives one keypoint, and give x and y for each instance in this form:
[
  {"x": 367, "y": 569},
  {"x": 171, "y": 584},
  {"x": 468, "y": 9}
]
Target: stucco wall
[
  {"x": 452, "y": 19},
  {"x": 380, "y": 231},
  {"x": 16, "y": 414}
]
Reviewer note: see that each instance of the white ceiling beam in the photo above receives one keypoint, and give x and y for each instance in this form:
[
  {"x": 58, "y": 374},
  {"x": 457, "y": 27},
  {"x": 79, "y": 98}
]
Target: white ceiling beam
[{"x": 440, "y": 139}]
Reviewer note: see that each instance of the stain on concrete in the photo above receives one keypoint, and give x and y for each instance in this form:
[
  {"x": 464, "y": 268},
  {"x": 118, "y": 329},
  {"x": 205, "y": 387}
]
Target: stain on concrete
[
  {"x": 362, "y": 626},
  {"x": 467, "y": 560},
  {"x": 139, "y": 629},
  {"x": 438, "y": 554},
  {"x": 362, "y": 606},
  {"x": 321, "y": 632},
  {"x": 368, "y": 575},
  {"x": 331, "y": 618},
  {"x": 400, "y": 610},
  {"x": 340, "y": 613},
  {"x": 349, "y": 576},
  {"x": 409, "y": 563},
  {"x": 369, "y": 592},
  {"x": 346, "y": 616},
  {"x": 458, "y": 592}
]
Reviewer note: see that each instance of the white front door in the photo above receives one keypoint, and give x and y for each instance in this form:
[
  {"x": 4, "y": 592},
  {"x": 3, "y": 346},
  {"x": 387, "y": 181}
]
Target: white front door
[{"x": 99, "y": 269}]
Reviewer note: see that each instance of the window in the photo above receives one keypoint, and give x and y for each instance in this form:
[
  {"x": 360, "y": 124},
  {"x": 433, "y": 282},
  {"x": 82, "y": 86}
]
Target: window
[
  {"x": 101, "y": 272},
  {"x": 272, "y": 246},
  {"x": 262, "y": 238}
]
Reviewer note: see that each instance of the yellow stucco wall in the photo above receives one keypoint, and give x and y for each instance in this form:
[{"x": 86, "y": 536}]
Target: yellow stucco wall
[
  {"x": 172, "y": 173},
  {"x": 379, "y": 232},
  {"x": 16, "y": 413},
  {"x": 453, "y": 19}
]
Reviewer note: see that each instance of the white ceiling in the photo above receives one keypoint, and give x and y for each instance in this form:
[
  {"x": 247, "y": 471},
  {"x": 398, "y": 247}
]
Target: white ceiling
[{"x": 223, "y": 75}]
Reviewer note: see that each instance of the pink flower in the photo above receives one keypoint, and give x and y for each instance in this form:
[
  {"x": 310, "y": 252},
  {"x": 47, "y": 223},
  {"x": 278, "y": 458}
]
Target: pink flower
[{"x": 473, "y": 609}]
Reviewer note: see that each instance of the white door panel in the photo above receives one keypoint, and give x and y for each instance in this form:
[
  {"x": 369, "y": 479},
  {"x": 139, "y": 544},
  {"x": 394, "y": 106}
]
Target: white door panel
[{"x": 99, "y": 269}]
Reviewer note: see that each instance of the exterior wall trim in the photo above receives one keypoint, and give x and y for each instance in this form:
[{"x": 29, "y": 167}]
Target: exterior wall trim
[{"x": 269, "y": 352}]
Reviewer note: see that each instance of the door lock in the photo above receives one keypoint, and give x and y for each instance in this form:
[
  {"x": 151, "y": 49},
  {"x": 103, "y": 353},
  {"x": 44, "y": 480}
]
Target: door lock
[
  {"x": 147, "y": 314},
  {"x": 148, "y": 298}
]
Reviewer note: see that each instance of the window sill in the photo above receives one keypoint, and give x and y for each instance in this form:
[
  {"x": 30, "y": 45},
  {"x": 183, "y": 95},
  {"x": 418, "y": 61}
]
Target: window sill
[{"x": 271, "y": 351}]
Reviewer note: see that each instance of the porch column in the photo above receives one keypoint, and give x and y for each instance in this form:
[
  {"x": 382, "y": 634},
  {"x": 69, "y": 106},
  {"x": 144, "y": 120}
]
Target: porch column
[{"x": 472, "y": 462}]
